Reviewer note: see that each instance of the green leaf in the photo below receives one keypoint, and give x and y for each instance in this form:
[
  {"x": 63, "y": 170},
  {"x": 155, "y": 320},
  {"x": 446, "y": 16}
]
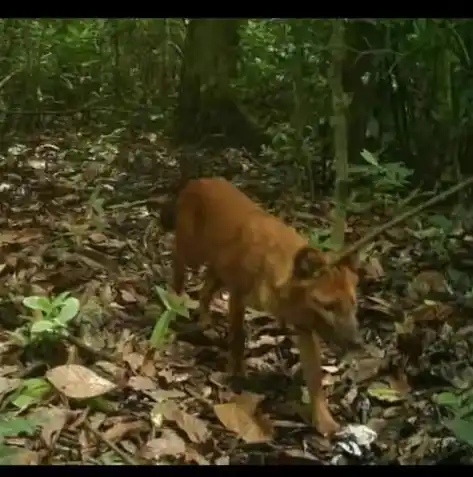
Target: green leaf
[
  {"x": 41, "y": 303},
  {"x": 384, "y": 393},
  {"x": 164, "y": 295},
  {"x": 24, "y": 402},
  {"x": 441, "y": 222},
  {"x": 68, "y": 311},
  {"x": 42, "y": 326},
  {"x": 160, "y": 331},
  {"x": 16, "y": 426},
  {"x": 36, "y": 387},
  {"x": 32, "y": 391},
  {"x": 172, "y": 302},
  {"x": 180, "y": 309},
  {"x": 447, "y": 399},
  {"x": 462, "y": 428},
  {"x": 59, "y": 300},
  {"x": 369, "y": 158}
]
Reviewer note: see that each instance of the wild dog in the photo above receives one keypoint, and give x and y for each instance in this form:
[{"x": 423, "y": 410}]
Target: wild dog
[{"x": 265, "y": 264}]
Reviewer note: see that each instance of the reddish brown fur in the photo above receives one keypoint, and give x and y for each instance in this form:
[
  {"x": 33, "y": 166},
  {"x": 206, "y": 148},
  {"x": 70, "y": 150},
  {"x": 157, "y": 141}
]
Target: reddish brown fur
[{"x": 267, "y": 265}]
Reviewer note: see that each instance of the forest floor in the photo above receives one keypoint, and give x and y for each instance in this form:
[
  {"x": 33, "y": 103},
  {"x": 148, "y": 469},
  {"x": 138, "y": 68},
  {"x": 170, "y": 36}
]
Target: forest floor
[{"x": 75, "y": 217}]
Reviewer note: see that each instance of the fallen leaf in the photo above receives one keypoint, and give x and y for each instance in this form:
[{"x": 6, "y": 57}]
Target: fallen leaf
[
  {"x": 168, "y": 444},
  {"x": 249, "y": 401},
  {"x": 121, "y": 429},
  {"x": 54, "y": 421},
  {"x": 21, "y": 457},
  {"x": 98, "y": 237},
  {"x": 426, "y": 283},
  {"x": 364, "y": 369},
  {"x": 384, "y": 393},
  {"x": 127, "y": 297},
  {"x": 241, "y": 418},
  {"x": 193, "y": 456},
  {"x": 222, "y": 460},
  {"x": 266, "y": 340},
  {"x": 78, "y": 382},
  {"x": 135, "y": 360},
  {"x": 171, "y": 377},
  {"x": 373, "y": 268},
  {"x": 431, "y": 311},
  {"x": 195, "y": 428},
  {"x": 379, "y": 304},
  {"x": 165, "y": 394},
  {"x": 142, "y": 383},
  {"x": 399, "y": 381},
  {"x": 8, "y": 384}
]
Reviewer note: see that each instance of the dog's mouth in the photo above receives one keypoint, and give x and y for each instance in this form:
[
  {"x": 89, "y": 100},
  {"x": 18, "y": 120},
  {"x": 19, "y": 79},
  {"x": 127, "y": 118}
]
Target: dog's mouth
[
  {"x": 337, "y": 334},
  {"x": 341, "y": 339}
]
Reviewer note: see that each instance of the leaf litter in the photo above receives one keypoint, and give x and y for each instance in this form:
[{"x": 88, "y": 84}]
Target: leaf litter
[{"x": 103, "y": 395}]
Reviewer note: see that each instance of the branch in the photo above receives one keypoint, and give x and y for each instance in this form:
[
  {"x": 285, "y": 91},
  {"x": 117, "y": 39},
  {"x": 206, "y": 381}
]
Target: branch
[{"x": 370, "y": 236}]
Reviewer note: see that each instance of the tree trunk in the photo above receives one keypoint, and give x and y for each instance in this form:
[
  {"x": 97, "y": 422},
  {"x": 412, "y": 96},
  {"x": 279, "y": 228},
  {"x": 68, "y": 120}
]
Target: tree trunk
[
  {"x": 207, "y": 111},
  {"x": 362, "y": 36},
  {"x": 339, "y": 123}
]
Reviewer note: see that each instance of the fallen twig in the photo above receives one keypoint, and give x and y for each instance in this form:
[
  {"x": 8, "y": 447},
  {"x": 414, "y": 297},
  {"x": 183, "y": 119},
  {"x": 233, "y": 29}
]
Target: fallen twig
[
  {"x": 371, "y": 235},
  {"x": 124, "y": 456}
]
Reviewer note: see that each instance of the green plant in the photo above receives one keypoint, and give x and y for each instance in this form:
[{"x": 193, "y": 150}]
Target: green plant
[
  {"x": 54, "y": 314},
  {"x": 436, "y": 229},
  {"x": 320, "y": 239},
  {"x": 376, "y": 183},
  {"x": 174, "y": 306},
  {"x": 459, "y": 409},
  {"x": 12, "y": 426},
  {"x": 31, "y": 391}
]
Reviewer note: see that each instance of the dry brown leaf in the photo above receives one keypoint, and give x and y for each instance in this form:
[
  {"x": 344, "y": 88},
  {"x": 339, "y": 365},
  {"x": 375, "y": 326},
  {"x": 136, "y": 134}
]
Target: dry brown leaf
[
  {"x": 193, "y": 455},
  {"x": 222, "y": 460},
  {"x": 378, "y": 304},
  {"x": 373, "y": 268},
  {"x": 127, "y": 297},
  {"x": 240, "y": 417},
  {"x": 78, "y": 382},
  {"x": 399, "y": 381},
  {"x": 165, "y": 394},
  {"x": 266, "y": 340},
  {"x": 53, "y": 420},
  {"x": 98, "y": 237},
  {"x": 107, "y": 294},
  {"x": 141, "y": 383},
  {"x": 431, "y": 311},
  {"x": 8, "y": 384},
  {"x": 25, "y": 457},
  {"x": 19, "y": 237},
  {"x": 425, "y": 283},
  {"x": 406, "y": 327},
  {"x": 364, "y": 369},
  {"x": 168, "y": 444},
  {"x": 148, "y": 368},
  {"x": 249, "y": 401},
  {"x": 121, "y": 429},
  {"x": 135, "y": 360},
  {"x": 195, "y": 428}
]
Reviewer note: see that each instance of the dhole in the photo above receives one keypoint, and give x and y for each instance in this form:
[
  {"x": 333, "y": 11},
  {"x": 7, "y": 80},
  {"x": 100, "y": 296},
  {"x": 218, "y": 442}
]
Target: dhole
[{"x": 267, "y": 265}]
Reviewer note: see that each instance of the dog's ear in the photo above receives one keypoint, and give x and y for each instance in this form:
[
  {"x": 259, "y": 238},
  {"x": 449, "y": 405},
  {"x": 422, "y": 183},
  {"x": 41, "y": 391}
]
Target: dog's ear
[{"x": 307, "y": 261}]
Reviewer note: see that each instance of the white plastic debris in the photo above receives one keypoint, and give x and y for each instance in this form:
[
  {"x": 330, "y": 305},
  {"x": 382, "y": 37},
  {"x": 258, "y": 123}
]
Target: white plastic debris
[
  {"x": 353, "y": 440},
  {"x": 360, "y": 434}
]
